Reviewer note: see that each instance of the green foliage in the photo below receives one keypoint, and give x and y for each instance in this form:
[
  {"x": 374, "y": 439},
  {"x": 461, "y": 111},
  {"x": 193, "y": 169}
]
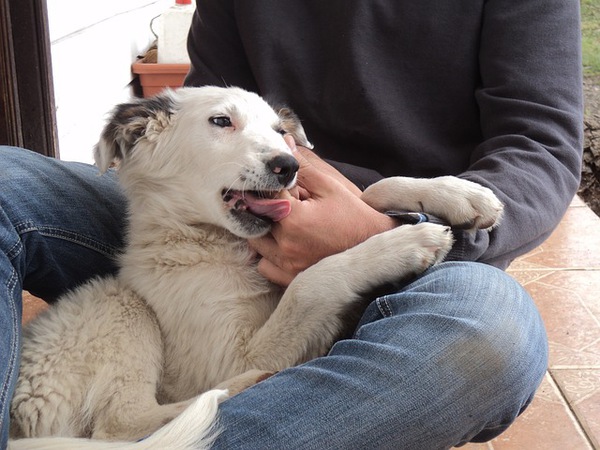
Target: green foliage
[{"x": 590, "y": 31}]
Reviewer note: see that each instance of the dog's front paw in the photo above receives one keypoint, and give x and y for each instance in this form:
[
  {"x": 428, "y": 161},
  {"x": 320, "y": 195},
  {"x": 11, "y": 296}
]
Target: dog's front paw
[
  {"x": 431, "y": 243},
  {"x": 461, "y": 203},
  {"x": 470, "y": 205},
  {"x": 403, "y": 252}
]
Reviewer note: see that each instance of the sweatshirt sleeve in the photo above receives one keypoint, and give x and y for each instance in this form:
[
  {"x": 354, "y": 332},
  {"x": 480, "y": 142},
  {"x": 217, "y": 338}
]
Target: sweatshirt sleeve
[{"x": 531, "y": 112}]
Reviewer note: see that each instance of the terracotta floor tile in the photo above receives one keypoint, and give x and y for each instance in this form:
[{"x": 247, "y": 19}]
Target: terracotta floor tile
[
  {"x": 568, "y": 302},
  {"x": 581, "y": 388},
  {"x": 573, "y": 244},
  {"x": 547, "y": 424},
  {"x": 526, "y": 275},
  {"x": 562, "y": 357}
]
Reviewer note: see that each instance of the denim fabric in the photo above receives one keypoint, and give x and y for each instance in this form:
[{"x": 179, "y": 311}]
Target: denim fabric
[{"x": 455, "y": 356}]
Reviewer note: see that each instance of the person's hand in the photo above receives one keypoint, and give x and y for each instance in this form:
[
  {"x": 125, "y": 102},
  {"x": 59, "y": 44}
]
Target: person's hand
[{"x": 327, "y": 217}]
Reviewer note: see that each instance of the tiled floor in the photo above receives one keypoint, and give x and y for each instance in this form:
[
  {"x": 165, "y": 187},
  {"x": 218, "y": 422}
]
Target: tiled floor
[{"x": 563, "y": 276}]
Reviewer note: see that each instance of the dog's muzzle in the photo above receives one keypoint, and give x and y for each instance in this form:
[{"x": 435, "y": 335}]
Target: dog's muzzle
[
  {"x": 260, "y": 203},
  {"x": 285, "y": 167}
]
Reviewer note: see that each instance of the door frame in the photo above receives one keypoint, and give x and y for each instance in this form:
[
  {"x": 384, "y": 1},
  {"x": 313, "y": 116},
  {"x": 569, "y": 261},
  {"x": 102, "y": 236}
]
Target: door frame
[{"x": 27, "y": 107}]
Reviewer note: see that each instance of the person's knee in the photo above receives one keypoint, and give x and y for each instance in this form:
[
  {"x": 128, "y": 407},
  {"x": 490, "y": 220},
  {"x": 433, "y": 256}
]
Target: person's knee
[
  {"x": 15, "y": 160},
  {"x": 501, "y": 351},
  {"x": 501, "y": 322}
]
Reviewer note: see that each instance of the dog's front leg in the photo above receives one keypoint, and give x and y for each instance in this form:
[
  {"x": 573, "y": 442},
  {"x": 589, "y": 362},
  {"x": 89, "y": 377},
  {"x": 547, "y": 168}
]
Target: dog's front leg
[
  {"x": 461, "y": 203},
  {"x": 310, "y": 315}
]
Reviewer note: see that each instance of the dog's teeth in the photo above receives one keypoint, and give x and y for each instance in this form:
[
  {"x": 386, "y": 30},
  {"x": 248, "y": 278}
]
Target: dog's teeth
[{"x": 240, "y": 204}]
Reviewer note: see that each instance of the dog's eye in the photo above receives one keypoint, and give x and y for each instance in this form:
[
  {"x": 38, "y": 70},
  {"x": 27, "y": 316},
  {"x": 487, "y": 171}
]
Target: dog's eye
[
  {"x": 281, "y": 131},
  {"x": 221, "y": 121}
]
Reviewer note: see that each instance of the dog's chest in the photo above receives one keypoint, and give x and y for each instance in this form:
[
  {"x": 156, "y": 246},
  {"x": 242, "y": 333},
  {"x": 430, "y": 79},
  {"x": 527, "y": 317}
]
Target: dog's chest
[
  {"x": 206, "y": 340},
  {"x": 209, "y": 300}
]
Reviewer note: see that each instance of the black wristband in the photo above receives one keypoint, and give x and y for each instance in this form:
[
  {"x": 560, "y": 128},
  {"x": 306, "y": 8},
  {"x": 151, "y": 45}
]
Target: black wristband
[{"x": 413, "y": 218}]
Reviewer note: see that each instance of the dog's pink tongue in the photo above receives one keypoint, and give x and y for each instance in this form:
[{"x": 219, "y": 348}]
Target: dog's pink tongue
[{"x": 275, "y": 209}]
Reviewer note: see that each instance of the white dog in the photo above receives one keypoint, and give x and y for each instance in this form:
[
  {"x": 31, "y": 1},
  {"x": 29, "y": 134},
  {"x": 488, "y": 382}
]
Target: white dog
[{"x": 120, "y": 357}]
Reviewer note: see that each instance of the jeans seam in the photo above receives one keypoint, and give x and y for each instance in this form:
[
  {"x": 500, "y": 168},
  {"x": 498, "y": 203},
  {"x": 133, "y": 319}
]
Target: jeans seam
[
  {"x": 59, "y": 233},
  {"x": 12, "y": 282},
  {"x": 384, "y": 307},
  {"x": 14, "y": 251}
]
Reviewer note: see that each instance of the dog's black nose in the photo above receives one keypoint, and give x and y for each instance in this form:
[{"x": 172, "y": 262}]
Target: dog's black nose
[{"x": 284, "y": 167}]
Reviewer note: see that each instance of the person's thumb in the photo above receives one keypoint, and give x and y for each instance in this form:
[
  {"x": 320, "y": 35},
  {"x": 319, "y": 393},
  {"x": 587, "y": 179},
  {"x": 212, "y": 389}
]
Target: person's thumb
[
  {"x": 316, "y": 175},
  {"x": 313, "y": 174},
  {"x": 306, "y": 159}
]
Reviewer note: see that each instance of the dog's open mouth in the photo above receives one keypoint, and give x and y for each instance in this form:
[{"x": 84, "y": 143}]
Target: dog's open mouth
[{"x": 265, "y": 205}]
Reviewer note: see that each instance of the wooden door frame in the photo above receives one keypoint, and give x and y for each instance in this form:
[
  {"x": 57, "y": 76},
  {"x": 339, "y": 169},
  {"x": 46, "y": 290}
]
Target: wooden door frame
[{"x": 27, "y": 107}]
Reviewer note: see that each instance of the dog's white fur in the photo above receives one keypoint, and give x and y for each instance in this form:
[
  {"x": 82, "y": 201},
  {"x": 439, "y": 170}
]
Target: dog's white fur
[{"x": 120, "y": 357}]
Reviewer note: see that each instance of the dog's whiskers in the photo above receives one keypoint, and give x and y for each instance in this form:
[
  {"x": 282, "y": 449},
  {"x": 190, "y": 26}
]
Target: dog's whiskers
[
  {"x": 230, "y": 188},
  {"x": 244, "y": 189}
]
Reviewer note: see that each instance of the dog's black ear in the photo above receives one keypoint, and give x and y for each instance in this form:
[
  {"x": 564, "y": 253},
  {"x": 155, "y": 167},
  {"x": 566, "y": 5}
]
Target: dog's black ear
[
  {"x": 128, "y": 124},
  {"x": 291, "y": 124}
]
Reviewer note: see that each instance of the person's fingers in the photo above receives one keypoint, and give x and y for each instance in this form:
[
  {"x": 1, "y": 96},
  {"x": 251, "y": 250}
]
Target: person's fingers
[
  {"x": 274, "y": 274},
  {"x": 289, "y": 140},
  {"x": 309, "y": 177},
  {"x": 265, "y": 246},
  {"x": 318, "y": 176},
  {"x": 268, "y": 266},
  {"x": 295, "y": 192}
]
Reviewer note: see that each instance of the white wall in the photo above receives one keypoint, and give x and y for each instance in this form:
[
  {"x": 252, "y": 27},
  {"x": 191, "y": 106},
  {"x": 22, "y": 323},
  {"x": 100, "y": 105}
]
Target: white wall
[{"x": 93, "y": 45}]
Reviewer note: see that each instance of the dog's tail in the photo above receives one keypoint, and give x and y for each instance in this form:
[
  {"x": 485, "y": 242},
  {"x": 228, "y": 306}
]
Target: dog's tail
[{"x": 193, "y": 429}]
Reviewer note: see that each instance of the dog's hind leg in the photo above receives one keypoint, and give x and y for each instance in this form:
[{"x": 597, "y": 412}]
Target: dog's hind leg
[
  {"x": 124, "y": 396},
  {"x": 43, "y": 411},
  {"x": 135, "y": 415},
  {"x": 196, "y": 428},
  {"x": 95, "y": 344}
]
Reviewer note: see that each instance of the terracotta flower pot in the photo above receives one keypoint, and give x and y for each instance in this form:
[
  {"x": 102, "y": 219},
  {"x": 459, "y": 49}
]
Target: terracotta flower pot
[{"x": 155, "y": 77}]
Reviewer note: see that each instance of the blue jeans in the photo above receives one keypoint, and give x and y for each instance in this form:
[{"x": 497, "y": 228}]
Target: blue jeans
[{"x": 455, "y": 356}]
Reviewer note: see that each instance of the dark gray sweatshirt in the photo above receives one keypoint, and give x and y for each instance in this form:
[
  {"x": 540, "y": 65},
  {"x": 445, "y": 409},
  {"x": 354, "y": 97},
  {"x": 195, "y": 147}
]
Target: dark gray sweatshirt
[{"x": 486, "y": 90}]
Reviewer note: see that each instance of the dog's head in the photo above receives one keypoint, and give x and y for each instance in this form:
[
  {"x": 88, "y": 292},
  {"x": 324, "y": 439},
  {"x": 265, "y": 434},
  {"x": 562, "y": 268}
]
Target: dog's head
[{"x": 205, "y": 155}]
